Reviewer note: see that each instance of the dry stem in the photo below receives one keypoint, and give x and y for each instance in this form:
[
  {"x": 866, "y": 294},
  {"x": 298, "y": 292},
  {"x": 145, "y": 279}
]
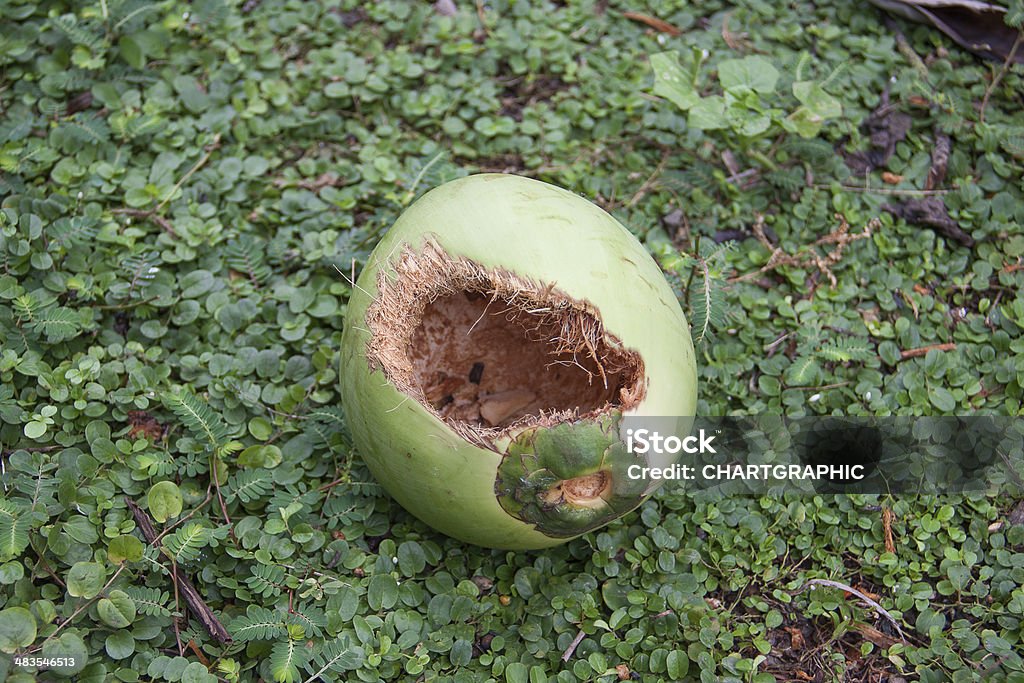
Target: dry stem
[{"x": 809, "y": 256}]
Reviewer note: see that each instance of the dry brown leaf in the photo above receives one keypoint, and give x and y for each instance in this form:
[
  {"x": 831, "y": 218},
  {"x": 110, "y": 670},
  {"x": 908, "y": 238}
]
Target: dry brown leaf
[
  {"x": 654, "y": 22},
  {"x": 871, "y": 633},
  {"x": 887, "y": 518},
  {"x": 796, "y": 638},
  {"x": 865, "y": 591}
]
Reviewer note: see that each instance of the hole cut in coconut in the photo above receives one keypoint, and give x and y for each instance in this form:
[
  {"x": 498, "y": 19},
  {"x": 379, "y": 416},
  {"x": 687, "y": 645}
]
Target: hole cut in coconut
[{"x": 488, "y": 351}]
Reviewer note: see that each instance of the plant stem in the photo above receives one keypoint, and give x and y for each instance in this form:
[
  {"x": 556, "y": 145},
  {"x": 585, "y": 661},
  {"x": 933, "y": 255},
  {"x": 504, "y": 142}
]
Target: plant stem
[{"x": 763, "y": 159}]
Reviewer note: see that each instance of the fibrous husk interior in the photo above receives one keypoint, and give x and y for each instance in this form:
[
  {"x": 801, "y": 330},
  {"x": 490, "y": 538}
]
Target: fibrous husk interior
[{"x": 489, "y": 351}]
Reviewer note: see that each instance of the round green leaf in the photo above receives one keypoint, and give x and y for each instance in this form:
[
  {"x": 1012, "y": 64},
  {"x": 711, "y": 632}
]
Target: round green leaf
[
  {"x": 120, "y": 645},
  {"x": 17, "y": 629},
  {"x": 34, "y": 430},
  {"x": 70, "y": 648},
  {"x": 124, "y": 548},
  {"x": 164, "y": 501},
  {"x": 195, "y": 672},
  {"x": 85, "y": 580},
  {"x": 116, "y": 611}
]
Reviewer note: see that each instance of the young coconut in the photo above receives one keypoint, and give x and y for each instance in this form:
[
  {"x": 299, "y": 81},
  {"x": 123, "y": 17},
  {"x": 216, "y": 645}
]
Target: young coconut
[{"x": 497, "y": 336}]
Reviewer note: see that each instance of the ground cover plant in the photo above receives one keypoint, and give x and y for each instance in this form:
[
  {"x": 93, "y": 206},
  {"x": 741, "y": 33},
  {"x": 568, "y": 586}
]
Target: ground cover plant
[{"x": 187, "y": 189}]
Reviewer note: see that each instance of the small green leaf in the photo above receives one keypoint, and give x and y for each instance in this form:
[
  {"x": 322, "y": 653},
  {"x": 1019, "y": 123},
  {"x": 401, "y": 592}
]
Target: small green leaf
[
  {"x": 85, "y": 579},
  {"x": 124, "y": 548},
  {"x": 677, "y": 664},
  {"x": 71, "y": 650},
  {"x": 164, "y": 501},
  {"x": 411, "y": 559},
  {"x": 17, "y": 629},
  {"x": 708, "y": 113},
  {"x": 35, "y": 430},
  {"x": 382, "y": 592},
  {"x": 117, "y": 610},
  {"x": 120, "y": 645},
  {"x": 132, "y": 52},
  {"x": 671, "y": 82},
  {"x": 942, "y": 399},
  {"x": 517, "y": 672},
  {"x": 819, "y": 102},
  {"x": 755, "y": 73}
]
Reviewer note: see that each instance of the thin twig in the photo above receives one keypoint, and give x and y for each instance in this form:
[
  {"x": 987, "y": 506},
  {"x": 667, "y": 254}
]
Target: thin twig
[
  {"x": 649, "y": 183},
  {"x": 999, "y": 75},
  {"x": 196, "y": 605},
  {"x": 125, "y": 306},
  {"x": 483, "y": 19},
  {"x": 188, "y": 174},
  {"x": 42, "y": 561},
  {"x": 220, "y": 499},
  {"x": 199, "y": 653},
  {"x": 849, "y": 589},
  {"x": 151, "y": 215},
  {"x": 573, "y": 645},
  {"x": 884, "y": 190},
  {"x": 81, "y": 608},
  {"x": 923, "y": 350},
  {"x": 177, "y": 607},
  {"x": 809, "y": 256},
  {"x": 822, "y": 387},
  {"x": 172, "y": 527}
]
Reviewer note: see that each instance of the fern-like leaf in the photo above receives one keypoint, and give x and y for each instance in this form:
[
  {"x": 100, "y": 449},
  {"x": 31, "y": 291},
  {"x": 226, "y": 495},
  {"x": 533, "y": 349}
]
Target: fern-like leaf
[
  {"x": 15, "y": 523},
  {"x": 699, "y": 176},
  {"x": 71, "y": 231},
  {"x": 1015, "y": 14},
  {"x": 185, "y": 544},
  {"x": 259, "y": 623},
  {"x": 149, "y": 601},
  {"x": 140, "y": 269},
  {"x": 816, "y": 152},
  {"x": 27, "y": 306},
  {"x": 787, "y": 179},
  {"x": 327, "y": 425},
  {"x": 847, "y": 349},
  {"x": 37, "y": 481},
  {"x": 704, "y": 299},
  {"x": 129, "y": 126},
  {"x": 58, "y": 324},
  {"x": 87, "y": 130},
  {"x": 804, "y": 372},
  {"x": 266, "y": 580},
  {"x": 336, "y": 656},
  {"x": 249, "y": 485},
  {"x": 310, "y": 618},
  {"x": 247, "y": 256},
  {"x": 286, "y": 657},
  {"x": 127, "y": 12},
  {"x": 77, "y": 33},
  {"x": 428, "y": 172},
  {"x": 198, "y": 417},
  {"x": 159, "y": 464}
]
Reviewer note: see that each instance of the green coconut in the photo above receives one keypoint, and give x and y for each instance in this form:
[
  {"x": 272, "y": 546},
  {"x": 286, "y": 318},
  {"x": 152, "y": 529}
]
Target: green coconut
[{"x": 498, "y": 335}]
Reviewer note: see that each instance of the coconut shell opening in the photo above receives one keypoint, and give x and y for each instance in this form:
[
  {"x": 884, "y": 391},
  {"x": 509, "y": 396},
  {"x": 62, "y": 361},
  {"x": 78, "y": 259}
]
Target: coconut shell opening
[{"x": 488, "y": 351}]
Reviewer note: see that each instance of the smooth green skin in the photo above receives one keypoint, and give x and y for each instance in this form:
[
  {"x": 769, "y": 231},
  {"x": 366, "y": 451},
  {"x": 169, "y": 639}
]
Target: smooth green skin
[{"x": 540, "y": 232}]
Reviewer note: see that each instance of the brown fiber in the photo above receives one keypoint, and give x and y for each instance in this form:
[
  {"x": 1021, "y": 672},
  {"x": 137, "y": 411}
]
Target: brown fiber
[{"x": 488, "y": 351}]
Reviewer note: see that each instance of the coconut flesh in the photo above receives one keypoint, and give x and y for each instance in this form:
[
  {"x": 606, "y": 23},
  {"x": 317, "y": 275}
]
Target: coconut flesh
[
  {"x": 489, "y": 352},
  {"x": 485, "y": 396}
]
